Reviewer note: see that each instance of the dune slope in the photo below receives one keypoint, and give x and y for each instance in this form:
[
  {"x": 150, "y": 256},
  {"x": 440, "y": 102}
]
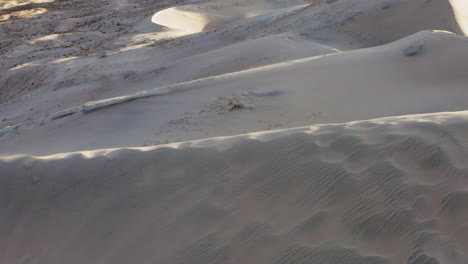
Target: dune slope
[
  {"x": 422, "y": 73},
  {"x": 380, "y": 191},
  {"x": 227, "y": 132}
]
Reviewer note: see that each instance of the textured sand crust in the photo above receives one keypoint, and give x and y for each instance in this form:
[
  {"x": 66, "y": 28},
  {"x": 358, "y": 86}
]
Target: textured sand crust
[{"x": 390, "y": 190}]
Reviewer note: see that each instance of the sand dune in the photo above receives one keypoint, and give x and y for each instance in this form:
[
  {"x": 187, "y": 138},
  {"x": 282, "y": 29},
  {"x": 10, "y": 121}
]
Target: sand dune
[
  {"x": 379, "y": 191},
  {"x": 396, "y": 79},
  {"x": 226, "y": 132},
  {"x": 113, "y": 52},
  {"x": 208, "y": 15}
]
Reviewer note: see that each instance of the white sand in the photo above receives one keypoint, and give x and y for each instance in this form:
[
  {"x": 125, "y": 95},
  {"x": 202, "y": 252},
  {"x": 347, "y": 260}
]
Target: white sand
[
  {"x": 259, "y": 100},
  {"x": 460, "y": 8}
]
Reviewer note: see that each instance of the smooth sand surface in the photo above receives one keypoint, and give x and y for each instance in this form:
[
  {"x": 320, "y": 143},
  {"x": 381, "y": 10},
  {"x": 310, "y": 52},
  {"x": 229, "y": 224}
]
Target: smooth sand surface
[
  {"x": 230, "y": 132},
  {"x": 460, "y": 9}
]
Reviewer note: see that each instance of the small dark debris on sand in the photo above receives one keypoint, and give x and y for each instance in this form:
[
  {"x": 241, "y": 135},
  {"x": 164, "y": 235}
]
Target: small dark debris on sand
[{"x": 414, "y": 50}]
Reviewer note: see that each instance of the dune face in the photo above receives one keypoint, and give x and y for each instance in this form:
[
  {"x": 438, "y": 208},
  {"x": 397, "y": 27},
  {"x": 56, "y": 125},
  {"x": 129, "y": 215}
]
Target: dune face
[
  {"x": 395, "y": 79},
  {"x": 212, "y": 14},
  {"x": 225, "y": 132},
  {"x": 187, "y": 22},
  {"x": 380, "y": 191},
  {"x": 460, "y": 8}
]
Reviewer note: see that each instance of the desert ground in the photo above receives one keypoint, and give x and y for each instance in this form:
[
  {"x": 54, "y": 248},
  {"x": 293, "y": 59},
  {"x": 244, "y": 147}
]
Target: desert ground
[{"x": 234, "y": 131}]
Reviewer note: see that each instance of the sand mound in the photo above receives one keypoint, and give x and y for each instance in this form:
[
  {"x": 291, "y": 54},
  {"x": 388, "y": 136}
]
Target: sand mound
[
  {"x": 360, "y": 23},
  {"x": 176, "y": 18},
  {"x": 245, "y": 55},
  {"x": 208, "y": 15},
  {"x": 97, "y": 50},
  {"x": 101, "y": 82},
  {"x": 396, "y": 79},
  {"x": 379, "y": 191}
]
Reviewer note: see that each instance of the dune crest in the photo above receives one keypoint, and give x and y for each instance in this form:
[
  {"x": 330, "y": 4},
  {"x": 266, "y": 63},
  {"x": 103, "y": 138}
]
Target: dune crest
[{"x": 175, "y": 18}]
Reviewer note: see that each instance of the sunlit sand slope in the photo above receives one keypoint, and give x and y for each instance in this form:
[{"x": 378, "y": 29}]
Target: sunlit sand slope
[{"x": 425, "y": 72}]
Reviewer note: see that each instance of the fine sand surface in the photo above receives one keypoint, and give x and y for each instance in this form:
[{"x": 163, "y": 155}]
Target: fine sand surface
[
  {"x": 231, "y": 132},
  {"x": 250, "y": 66},
  {"x": 390, "y": 190}
]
